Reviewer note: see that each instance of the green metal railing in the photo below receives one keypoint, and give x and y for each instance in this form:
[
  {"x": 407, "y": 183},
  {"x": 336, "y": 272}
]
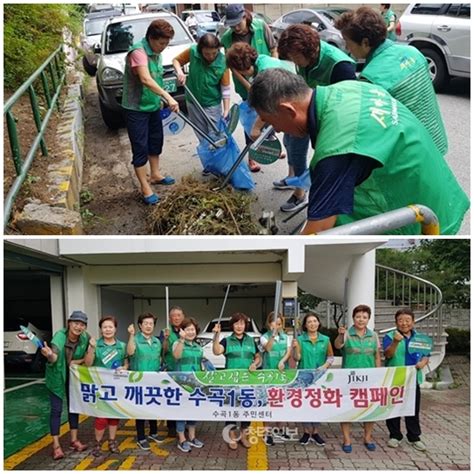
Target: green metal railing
[{"x": 51, "y": 75}]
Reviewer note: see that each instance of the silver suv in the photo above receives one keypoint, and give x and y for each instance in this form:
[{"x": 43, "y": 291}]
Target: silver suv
[
  {"x": 119, "y": 34},
  {"x": 441, "y": 31}
]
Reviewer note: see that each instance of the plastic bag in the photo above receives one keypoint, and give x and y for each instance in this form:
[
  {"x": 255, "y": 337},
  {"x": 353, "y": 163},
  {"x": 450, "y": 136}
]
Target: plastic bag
[
  {"x": 219, "y": 161},
  {"x": 248, "y": 116}
]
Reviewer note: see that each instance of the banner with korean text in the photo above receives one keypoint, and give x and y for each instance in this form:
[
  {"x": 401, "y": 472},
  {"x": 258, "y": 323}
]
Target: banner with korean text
[{"x": 334, "y": 395}]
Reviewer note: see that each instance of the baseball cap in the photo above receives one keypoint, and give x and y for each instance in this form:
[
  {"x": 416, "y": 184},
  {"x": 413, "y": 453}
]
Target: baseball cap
[
  {"x": 78, "y": 316},
  {"x": 234, "y": 14}
]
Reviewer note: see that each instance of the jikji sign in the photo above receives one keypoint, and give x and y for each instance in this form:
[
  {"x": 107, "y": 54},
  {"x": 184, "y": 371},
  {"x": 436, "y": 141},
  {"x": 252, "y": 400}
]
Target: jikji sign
[{"x": 268, "y": 395}]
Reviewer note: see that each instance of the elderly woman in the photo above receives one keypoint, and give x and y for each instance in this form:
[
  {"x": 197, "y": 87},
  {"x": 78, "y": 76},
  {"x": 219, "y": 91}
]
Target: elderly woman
[
  {"x": 360, "y": 349},
  {"x": 401, "y": 70},
  {"x": 208, "y": 80},
  {"x": 256, "y": 33},
  {"x": 320, "y": 64},
  {"x": 110, "y": 353},
  {"x": 68, "y": 347},
  {"x": 241, "y": 352},
  {"x": 142, "y": 100}
]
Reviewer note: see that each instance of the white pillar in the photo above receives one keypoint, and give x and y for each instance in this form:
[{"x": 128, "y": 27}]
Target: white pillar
[
  {"x": 57, "y": 308},
  {"x": 361, "y": 285}
]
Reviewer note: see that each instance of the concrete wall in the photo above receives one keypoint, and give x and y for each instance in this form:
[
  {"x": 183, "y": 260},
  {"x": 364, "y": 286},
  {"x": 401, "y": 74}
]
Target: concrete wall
[
  {"x": 119, "y": 305},
  {"x": 456, "y": 318}
]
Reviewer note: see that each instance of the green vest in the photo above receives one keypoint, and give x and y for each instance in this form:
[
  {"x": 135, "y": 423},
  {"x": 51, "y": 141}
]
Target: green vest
[
  {"x": 147, "y": 357},
  {"x": 398, "y": 359},
  {"x": 359, "y": 352},
  {"x": 135, "y": 95},
  {"x": 170, "y": 361},
  {"x": 106, "y": 355},
  {"x": 191, "y": 358},
  {"x": 313, "y": 354},
  {"x": 265, "y": 62},
  {"x": 403, "y": 71},
  {"x": 204, "y": 79},
  {"x": 362, "y": 118},
  {"x": 388, "y": 17},
  {"x": 258, "y": 42},
  {"x": 280, "y": 346},
  {"x": 319, "y": 74},
  {"x": 239, "y": 354},
  {"x": 56, "y": 373}
]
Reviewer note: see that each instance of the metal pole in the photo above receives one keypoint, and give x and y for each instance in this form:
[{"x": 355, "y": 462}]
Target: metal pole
[
  {"x": 167, "y": 308},
  {"x": 223, "y": 304},
  {"x": 276, "y": 304},
  {"x": 203, "y": 112}
]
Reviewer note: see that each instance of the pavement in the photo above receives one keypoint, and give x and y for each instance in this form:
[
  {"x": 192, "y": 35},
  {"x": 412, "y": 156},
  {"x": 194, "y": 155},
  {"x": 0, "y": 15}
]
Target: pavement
[{"x": 445, "y": 422}]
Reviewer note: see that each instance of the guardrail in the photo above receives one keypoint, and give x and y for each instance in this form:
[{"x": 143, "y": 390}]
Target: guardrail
[{"x": 51, "y": 75}]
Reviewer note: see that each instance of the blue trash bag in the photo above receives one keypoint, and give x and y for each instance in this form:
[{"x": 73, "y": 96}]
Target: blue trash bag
[
  {"x": 303, "y": 181},
  {"x": 219, "y": 161},
  {"x": 247, "y": 117}
]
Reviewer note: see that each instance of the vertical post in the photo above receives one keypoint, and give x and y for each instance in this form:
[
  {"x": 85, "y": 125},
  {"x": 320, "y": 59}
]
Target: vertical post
[
  {"x": 47, "y": 93},
  {"x": 167, "y": 296},
  {"x": 37, "y": 117},
  {"x": 276, "y": 304},
  {"x": 14, "y": 143}
]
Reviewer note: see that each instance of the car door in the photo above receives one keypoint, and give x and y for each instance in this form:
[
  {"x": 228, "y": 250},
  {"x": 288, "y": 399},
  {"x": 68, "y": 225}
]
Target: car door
[{"x": 454, "y": 28}]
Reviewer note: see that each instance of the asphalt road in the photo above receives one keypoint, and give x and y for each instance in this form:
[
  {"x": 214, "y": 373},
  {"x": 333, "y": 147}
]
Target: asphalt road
[{"x": 179, "y": 159}]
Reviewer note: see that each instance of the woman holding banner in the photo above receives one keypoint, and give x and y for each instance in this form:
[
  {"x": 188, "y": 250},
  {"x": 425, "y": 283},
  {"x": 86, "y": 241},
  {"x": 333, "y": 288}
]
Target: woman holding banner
[
  {"x": 188, "y": 355},
  {"x": 360, "y": 350},
  {"x": 312, "y": 350},
  {"x": 68, "y": 347},
  {"x": 109, "y": 353},
  {"x": 144, "y": 351},
  {"x": 241, "y": 352},
  {"x": 276, "y": 350}
]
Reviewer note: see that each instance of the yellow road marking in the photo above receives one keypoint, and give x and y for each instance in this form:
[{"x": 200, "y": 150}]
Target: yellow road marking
[
  {"x": 84, "y": 464},
  {"x": 162, "y": 453},
  {"x": 127, "y": 443},
  {"x": 105, "y": 465},
  {"x": 126, "y": 432},
  {"x": 12, "y": 461},
  {"x": 257, "y": 454},
  {"x": 127, "y": 464}
]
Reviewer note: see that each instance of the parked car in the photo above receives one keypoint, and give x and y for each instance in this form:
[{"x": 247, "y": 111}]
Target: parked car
[
  {"x": 92, "y": 28},
  {"x": 206, "y": 337},
  {"x": 100, "y": 7},
  {"x": 119, "y": 34},
  {"x": 442, "y": 33},
  {"x": 221, "y": 28},
  {"x": 207, "y": 21},
  {"x": 18, "y": 350},
  {"x": 130, "y": 9},
  {"x": 321, "y": 20}
]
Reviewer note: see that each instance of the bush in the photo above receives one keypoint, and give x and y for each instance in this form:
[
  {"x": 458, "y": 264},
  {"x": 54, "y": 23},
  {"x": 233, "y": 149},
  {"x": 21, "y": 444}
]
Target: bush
[
  {"x": 32, "y": 32},
  {"x": 459, "y": 341}
]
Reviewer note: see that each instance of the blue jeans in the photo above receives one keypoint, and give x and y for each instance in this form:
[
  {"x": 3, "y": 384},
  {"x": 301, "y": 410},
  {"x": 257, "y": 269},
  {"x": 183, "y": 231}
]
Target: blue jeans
[
  {"x": 180, "y": 425},
  {"x": 55, "y": 415},
  {"x": 297, "y": 151},
  {"x": 145, "y": 131}
]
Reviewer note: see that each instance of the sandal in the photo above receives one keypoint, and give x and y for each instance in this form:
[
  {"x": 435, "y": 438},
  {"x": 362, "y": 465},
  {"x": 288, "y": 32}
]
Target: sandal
[
  {"x": 232, "y": 445},
  {"x": 78, "y": 446},
  {"x": 113, "y": 446},
  {"x": 254, "y": 166},
  {"x": 96, "y": 452},
  {"x": 58, "y": 453},
  {"x": 167, "y": 181},
  {"x": 151, "y": 200}
]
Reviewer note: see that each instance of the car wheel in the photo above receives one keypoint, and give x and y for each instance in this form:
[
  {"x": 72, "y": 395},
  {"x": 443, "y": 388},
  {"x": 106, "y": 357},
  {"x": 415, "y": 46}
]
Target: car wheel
[
  {"x": 437, "y": 68},
  {"x": 91, "y": 70},
  {"x": 114, "y": 120},
  {"x": 39, "y": 362}
]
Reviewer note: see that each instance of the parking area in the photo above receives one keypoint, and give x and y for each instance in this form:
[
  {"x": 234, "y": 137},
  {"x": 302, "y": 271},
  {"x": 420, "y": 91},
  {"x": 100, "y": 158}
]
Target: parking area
[{"x": 445, "y": 419}]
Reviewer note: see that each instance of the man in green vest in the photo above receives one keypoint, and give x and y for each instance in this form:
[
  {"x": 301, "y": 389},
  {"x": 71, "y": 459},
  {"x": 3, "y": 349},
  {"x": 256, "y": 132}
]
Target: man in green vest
[
  {"x": 400, "y": 351},
  {"x": 68, "y": 347},
  {"x": 372, "y": 155},
  {"x": 390, "y": 19},
  {"x": 243, "y": 27},
  {"x": 142, "y": 93},
  {"x": 319, "y": 64},
  {"x": 144, "y": 352},
  {"x": 400, "y": 69}
]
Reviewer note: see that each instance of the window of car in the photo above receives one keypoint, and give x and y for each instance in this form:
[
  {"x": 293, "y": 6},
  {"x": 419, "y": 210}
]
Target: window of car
[
  {"x": 461, "y": 10},
  {"x": 120, "y": 36},
  {"x": 294, "y": 18},
  {"x": 428, "y": 8},
  {"x": 13, "y": 324},
  {"x": 313, "y": 19},
  {"x": 206, "y": 17},
  {"x": 94, "y": 27}
]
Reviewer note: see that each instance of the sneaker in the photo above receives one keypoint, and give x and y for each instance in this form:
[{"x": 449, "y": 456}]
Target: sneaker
[
  {"x": 293, "y": 204},
  {"x": 184, "y": 446},
  {"x": 195, "y": 443},
  {"x": 156, "y": 438},
  {"x": 143, "y": 444},
  {"x": 282, "y": 184},
  {"x": 419, "y": 445},
  {"x": 281, "y": 435},
  {"x": 394, "y": 443},
  {"x": 269, "y": 441},
  {"x": 318, "y": 440},
  {"x": 304, "y": 440}
]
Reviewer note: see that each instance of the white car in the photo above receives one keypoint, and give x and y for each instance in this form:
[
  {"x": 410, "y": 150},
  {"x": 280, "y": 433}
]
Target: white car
[
  {"x": 18, "y": 349},
  {"x": 206, "y": 337}
]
